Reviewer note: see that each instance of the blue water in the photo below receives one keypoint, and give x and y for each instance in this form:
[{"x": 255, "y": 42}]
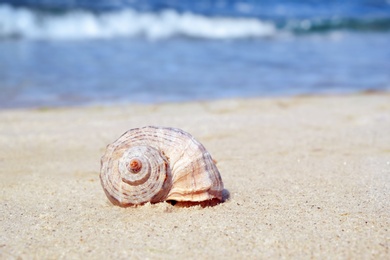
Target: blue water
[{"x": 55, "y": 53}]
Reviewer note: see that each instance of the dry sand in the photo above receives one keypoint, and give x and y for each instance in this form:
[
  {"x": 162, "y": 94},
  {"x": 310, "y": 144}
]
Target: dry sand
[{"x": 309, "y": 177}]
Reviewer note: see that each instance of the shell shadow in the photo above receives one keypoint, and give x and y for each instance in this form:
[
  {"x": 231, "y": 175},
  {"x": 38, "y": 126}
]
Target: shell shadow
[{"x": 203, "y": 204}]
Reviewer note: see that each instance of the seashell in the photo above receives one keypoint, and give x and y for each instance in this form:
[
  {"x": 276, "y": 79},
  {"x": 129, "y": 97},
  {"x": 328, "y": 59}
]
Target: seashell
[{"x": 153, "y": 164}]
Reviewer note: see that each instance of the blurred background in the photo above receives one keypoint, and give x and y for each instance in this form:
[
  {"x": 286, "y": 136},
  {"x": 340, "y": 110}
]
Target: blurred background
[{"x": 80, "y": 52}]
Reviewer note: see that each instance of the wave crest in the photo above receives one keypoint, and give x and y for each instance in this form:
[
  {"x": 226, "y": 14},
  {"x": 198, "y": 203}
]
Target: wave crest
[{"x": 26, "y": 23}]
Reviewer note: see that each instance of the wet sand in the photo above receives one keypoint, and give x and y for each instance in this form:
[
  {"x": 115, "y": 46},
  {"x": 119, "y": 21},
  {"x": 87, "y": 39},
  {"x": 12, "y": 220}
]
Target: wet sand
[{"x": 308, "y": 177}]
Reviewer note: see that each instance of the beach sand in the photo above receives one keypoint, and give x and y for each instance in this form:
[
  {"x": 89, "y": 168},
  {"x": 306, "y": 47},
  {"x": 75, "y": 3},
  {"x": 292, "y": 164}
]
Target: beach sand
[{"x": 308, "y": 177}]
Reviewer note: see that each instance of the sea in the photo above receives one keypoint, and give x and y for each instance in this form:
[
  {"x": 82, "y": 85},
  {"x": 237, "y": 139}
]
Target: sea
[{"x": 87, "y": 52}]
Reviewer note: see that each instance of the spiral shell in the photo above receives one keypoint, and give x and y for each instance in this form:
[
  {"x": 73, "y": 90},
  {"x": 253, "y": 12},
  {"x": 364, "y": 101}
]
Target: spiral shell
[{"x": 153, "y": 164}]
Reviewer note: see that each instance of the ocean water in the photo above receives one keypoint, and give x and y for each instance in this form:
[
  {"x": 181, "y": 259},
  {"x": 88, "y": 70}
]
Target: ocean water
[{"x": 77, "y": 52}]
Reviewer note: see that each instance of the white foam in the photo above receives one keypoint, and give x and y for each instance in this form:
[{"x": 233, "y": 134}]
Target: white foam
[{"x": 25, "y": 23}]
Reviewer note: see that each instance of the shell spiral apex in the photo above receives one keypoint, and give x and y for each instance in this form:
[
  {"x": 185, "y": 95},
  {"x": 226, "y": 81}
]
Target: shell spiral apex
[{"x": 153, "y": 164}]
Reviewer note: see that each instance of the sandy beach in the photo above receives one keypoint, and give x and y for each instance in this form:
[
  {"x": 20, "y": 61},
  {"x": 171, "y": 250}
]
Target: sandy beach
[{"x": 308, "y": 177}]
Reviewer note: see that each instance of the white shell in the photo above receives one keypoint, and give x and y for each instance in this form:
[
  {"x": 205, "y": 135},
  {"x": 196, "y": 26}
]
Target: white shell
[{"x": 153, "y": 164}]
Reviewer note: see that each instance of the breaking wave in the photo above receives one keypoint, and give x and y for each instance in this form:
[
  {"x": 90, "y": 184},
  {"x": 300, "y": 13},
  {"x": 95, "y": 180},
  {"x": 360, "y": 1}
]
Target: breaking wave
[
  {"x": 26, "y": 23},
  {"x": 23, "y": 22}
]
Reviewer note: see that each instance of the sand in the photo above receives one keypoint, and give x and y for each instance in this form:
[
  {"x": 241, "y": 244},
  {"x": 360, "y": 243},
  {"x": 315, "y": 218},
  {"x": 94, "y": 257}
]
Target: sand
[{"x": 308, "y": 177}]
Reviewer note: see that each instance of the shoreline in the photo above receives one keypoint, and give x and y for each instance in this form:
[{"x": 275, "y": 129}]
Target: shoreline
[
  {"x": 113, "y": 103},
  {"x": 307, "y": 176}
]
